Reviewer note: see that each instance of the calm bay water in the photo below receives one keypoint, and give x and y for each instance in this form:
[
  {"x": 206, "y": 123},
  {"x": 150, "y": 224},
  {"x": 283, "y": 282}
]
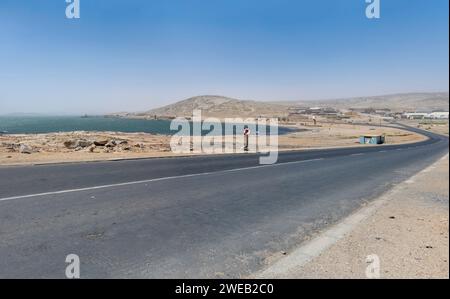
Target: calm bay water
[{"x": 51, "y": 124}]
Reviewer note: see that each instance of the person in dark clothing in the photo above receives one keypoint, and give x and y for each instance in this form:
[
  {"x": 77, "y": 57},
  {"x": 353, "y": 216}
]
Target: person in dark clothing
[{"x": 246, "y": 137}]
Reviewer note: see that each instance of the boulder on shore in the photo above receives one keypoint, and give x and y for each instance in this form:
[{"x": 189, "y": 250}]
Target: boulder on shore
[
  {"x": 92, "y": 148},
  {"x": 100, "y": 142},
  {"x": 77, "y": 143},
  {"x": 83, "y": 143},
  {"x": 25, "y": 149},
  {"x": 69, "y": 144},
  {"x": 111, "y": 143},
  {"x": 11, "y": 147}
]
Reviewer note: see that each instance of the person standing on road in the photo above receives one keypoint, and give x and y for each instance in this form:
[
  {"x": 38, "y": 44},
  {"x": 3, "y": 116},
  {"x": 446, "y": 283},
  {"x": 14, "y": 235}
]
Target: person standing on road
[{"x": 246, "y": 137}]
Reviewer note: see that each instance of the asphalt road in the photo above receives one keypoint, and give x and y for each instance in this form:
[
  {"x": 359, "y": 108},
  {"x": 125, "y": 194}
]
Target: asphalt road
[{"x": 198, "y": 217}]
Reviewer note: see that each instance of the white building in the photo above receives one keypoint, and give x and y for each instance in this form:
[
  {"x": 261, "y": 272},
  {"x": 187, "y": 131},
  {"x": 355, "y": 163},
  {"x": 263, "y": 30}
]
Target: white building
[
  {"x": 439, "y": 115},
  {"x": 415, "y": 115},
  {"x": 423, "y": 115}
]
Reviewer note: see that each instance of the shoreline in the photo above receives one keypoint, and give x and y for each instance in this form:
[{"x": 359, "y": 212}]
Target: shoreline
[{"x": 56, "y": 148}]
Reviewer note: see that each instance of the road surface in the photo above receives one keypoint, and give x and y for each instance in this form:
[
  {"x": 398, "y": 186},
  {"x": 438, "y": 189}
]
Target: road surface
[{"x": 197, "y": 217}]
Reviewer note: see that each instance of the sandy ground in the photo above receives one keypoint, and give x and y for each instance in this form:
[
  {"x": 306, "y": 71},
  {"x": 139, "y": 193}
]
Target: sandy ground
[
  {"x": 438, "y": 127},
  {"x": 341, "y": 135},
  {"x": 409, "y": 234},
  {"x": 50, "y": 148}
]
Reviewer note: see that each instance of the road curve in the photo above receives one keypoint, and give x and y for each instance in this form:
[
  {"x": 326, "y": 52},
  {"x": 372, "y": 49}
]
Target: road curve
[{"x": 197, "y": 217}]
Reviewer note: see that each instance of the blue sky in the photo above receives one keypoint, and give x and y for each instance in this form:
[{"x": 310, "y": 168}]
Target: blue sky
[{"x": 138, "y": 54}]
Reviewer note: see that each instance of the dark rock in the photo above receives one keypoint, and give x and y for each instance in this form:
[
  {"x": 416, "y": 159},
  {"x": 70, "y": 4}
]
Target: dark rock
[
  {"x": 100, "y": 142},
  {"x": 70, "y": 144},
  {"x": 111, "y": 143}
]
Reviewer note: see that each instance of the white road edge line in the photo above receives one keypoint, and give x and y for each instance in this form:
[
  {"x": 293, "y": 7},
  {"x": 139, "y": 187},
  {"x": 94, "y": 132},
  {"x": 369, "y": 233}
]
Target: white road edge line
[{"x": 152, "y": 180}]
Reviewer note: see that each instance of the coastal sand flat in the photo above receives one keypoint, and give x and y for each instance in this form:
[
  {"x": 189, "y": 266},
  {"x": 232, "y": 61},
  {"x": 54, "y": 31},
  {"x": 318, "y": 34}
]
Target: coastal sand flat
[{"x": 49, "y": 148}]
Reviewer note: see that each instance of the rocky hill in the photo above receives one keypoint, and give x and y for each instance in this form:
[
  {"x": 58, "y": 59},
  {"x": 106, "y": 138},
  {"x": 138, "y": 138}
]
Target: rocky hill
[
  {"x": 218, "y": 106},
  {"x": 221, "y": 107}
]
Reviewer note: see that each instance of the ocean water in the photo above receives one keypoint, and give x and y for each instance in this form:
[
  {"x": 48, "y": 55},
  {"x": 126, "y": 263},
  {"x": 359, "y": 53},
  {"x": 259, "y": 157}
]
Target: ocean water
[{"x": 51, "y": 124}]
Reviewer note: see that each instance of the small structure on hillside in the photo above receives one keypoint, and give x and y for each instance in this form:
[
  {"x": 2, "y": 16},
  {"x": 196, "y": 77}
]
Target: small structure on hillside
[{"x": 372, "y": 139}]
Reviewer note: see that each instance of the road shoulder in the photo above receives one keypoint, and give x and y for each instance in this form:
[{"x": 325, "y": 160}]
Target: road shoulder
[{"x": 406, "y": 230}]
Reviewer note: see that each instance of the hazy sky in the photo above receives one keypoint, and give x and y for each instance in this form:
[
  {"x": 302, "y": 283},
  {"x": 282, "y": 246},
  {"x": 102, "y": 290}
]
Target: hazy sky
[{"x": 138, "y": 54}]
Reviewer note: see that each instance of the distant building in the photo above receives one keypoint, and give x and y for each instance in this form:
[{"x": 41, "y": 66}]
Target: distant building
[
  {"x": 415, "y": 115},
  {"x": 425, "y": 115},
  {"x": 300, "y": 113},
  {"x": 438, "y": 115},
  {"x": 363, "y": 110},
  {"x": 383, "y": 112}
]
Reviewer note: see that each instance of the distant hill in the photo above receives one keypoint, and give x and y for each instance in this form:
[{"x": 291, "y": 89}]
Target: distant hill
[
  {"x": 219, "y": 106},
  {"x": 395, "y": 102}
]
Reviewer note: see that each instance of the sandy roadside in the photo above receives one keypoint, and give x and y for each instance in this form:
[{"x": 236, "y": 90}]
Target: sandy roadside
[
  {"x": 407, "y": 233},
  {"x": 438, "y": 127},
  {"x": 50, "y": 148}
]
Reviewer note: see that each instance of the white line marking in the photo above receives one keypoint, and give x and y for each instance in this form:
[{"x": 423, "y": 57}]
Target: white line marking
[
  {"x": 153, "y": 180},
  {"x": 358, "y": 154}
]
